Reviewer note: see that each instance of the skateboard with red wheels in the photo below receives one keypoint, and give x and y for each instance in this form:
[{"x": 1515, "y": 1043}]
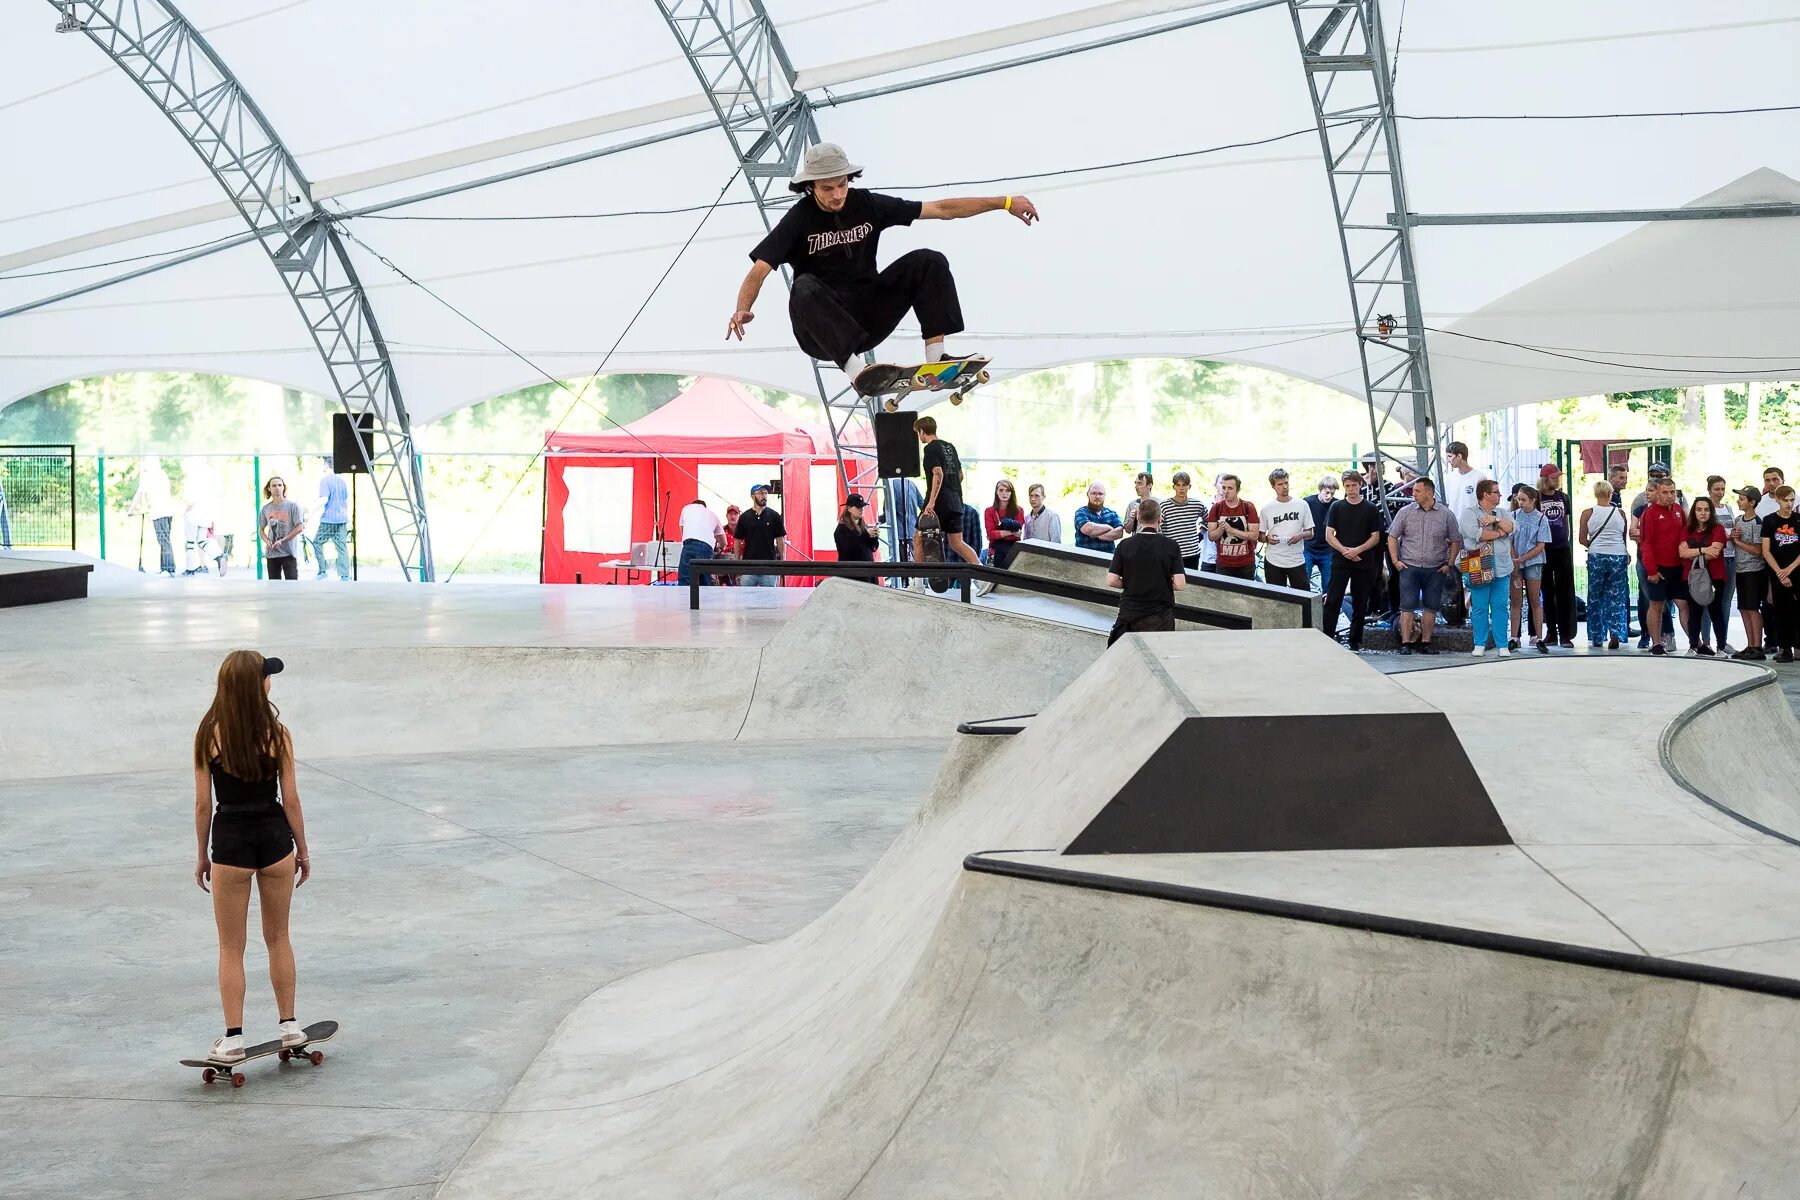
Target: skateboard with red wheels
[
  {"x": 958, "y": 376},
  {"x": 212, "y": 1068}
]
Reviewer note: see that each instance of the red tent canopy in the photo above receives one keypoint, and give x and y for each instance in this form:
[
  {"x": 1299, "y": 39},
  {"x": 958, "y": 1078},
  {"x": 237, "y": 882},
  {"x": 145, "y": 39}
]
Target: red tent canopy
[{"x": 606, "y": 491}]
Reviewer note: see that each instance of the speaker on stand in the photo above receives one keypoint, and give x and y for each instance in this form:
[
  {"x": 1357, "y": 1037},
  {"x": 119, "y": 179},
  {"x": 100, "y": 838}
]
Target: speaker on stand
[
  {"x": 896, "y": 445},
  {"x": 352, "y": 449}
]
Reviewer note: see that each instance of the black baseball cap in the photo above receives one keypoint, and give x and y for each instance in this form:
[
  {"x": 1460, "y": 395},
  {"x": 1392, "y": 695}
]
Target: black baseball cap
[
  {"x": 273, "y": 666},
  {"x": 854, "y": 500}
]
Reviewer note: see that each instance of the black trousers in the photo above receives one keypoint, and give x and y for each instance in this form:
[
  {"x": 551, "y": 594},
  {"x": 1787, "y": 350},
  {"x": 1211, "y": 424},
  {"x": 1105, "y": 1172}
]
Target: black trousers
[
  {"x": 836, "y": 325},
  {"x": 1162, "y": 622},
  {"x": 1361, "y": 579},
  {"x": 1559, "y": 593},
  {"x": 1287, "y": 577},
  {"x": 282, "y": 566},
  {"x": 1786, "y": 601}
]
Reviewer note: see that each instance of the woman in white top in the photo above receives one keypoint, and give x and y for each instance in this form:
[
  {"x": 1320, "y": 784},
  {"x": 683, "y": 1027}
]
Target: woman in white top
[{"x": 1608, "y": 569}]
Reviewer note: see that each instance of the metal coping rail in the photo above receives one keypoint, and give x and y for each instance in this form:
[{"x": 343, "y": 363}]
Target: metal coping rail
[
  {"x": 984, "y": 862},
  {"x": 964, "y": 573}
]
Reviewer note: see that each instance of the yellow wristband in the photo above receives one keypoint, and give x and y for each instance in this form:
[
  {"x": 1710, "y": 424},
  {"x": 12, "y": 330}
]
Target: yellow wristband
[{"x": 1009, "y": 204}]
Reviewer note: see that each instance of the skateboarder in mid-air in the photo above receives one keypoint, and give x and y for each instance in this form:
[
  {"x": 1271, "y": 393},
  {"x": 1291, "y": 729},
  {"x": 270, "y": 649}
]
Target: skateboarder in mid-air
[{"x": 841, "y": 306}]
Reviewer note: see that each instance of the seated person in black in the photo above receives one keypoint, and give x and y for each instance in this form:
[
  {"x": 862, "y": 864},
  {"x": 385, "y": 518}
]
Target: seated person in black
[
  {"x": 841, "y": 307},
  {"x": 1147, "y": 565},
  {"x": 855, "y": 541}
]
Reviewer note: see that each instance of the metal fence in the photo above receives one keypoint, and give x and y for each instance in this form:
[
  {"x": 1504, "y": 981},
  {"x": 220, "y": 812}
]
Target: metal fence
[{"x": 37, "y": 497}]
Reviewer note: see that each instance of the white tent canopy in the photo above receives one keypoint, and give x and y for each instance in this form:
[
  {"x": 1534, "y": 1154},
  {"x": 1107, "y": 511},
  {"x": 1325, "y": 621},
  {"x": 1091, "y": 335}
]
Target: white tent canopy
[{"x": 1224, "y": 253}]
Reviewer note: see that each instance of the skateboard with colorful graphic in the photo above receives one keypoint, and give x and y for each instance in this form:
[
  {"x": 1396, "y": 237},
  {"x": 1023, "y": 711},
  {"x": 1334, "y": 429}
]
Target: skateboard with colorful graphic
[
  {"x": 211, "y": 1069},
  {"x": 958, "y": 376}
]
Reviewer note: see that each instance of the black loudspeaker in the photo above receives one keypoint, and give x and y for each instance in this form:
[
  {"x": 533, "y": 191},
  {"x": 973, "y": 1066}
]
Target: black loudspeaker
[
  {"x": 896, "y": 445},
  {"x": 345, "y": 458}
]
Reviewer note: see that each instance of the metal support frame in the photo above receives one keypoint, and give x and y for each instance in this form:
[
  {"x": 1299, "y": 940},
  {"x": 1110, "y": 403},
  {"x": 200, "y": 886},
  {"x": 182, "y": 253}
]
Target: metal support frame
[
  {"x": 1348, "y": 77},
  {"x": 746, "y": 74},
  {"x": 173, "y": 64}
]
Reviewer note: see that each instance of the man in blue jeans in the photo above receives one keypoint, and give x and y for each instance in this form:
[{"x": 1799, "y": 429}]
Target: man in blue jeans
[
  {"x": 1422, "y": 543},
  {"x": 334, "y": 519},
  {"x": 760, "y": 531},
  {"x": 1318, "y": 550},
  {"x": 702, "y": 536}
]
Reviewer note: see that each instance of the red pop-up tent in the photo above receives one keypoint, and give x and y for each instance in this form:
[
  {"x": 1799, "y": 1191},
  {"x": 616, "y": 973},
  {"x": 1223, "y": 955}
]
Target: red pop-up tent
[{"x": 606, "y": 491}]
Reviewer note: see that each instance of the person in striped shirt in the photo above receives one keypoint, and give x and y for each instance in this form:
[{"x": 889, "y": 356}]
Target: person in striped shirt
[{"x": 1181, "y": 517}]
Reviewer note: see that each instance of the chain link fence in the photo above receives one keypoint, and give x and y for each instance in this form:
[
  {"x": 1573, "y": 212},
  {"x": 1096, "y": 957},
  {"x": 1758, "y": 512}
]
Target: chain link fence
[{"x": 37, "y": 497}]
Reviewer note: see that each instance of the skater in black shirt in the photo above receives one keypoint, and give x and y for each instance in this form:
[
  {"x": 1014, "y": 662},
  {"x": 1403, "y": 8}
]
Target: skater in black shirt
[{"x": 841, "y": 306}]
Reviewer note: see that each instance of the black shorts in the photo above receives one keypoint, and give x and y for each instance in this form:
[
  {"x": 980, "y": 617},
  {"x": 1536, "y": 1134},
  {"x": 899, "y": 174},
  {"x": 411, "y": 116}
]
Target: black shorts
[
  {"x": 252, "y": 840},
  {"x": 1752, "y": 590}
]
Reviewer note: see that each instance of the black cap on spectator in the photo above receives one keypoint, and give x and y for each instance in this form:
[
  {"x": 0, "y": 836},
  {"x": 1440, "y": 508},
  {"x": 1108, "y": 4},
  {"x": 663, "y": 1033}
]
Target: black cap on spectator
[{"x": 273, "y": 666}]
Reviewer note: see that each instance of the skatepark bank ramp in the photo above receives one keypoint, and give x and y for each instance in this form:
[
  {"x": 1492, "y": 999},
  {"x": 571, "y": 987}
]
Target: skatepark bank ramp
[
  {"x": 888, "y": 664},
  {"x": 945, "y": 1032}
]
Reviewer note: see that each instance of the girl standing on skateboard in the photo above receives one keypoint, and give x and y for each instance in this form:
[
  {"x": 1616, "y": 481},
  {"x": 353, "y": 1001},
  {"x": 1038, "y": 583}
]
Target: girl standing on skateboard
[{"x": 244, "y": 755}]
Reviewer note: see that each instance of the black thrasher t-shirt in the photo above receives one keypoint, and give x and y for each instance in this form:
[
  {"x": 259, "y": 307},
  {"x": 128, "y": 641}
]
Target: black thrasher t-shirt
[
  {"x": 838, "y": 247},
  {"x": 1146, "y": 562},
  {"x": 939, "y": 453},
  {"x": 760, "y": 533},
  {"x": 1783, "y": 536}
]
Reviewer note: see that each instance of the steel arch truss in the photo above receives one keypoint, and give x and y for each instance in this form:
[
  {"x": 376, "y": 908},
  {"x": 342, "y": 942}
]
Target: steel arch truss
[
  {"x": 746, "y": 74},
  {"x": 1351, "y": 84},
  {"x": 154, "y": 44}
]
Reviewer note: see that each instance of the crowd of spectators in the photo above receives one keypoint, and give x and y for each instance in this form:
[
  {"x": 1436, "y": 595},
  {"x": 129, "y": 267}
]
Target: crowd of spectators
[{"x": 1402, "y": 554}]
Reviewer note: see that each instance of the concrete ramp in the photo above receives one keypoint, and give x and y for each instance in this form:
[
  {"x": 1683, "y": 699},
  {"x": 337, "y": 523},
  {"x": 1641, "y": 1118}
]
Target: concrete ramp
[
  {"x": 854, "y": 660},
  {"x": 1739, "y": 751},
  {"x": 947, "y": 1033},
  {"x": 859, "y": 660}
]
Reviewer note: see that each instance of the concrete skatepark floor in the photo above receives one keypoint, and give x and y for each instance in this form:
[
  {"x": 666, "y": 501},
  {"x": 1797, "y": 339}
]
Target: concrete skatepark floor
[{"x": 469, "y": 898}]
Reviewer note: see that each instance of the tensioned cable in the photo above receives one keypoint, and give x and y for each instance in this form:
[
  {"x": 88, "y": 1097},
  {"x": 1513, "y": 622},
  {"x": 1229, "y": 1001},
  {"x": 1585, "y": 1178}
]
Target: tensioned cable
[
  {"x": 579, "y": 395},
  {"x": 906, "y": 187},
  {"x": 119, "y": 262},
  {"x": 1601, "y": 362}
]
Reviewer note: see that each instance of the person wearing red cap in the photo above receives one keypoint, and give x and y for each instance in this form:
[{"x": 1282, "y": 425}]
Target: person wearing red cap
[{"x": 1559, "y": 560}]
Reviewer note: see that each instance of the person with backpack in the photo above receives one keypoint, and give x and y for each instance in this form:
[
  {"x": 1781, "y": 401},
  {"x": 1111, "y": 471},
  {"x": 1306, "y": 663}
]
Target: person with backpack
[{"x": 1609, "y": 569}]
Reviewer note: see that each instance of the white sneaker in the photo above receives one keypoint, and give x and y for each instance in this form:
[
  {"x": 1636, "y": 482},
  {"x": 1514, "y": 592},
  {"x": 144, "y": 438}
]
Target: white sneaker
[
  {"x": 1478, "y": 651},
  {"x": 291, "y": 1033},
  {"x": 227, "y": 1049},
  {"x": 984, "y": 587},
  {"x": 1505, "y": 653}
]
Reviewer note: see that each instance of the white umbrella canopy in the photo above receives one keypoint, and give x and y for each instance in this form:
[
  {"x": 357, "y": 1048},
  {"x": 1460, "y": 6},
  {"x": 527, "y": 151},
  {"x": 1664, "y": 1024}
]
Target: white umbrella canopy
[{"x": 1218, "y": 249}]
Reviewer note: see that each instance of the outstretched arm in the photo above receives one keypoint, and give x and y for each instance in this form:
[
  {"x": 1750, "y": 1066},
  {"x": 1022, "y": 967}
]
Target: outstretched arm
[
  {"x": 974, "y": 206},
  {"x": 748, "y": 291}
]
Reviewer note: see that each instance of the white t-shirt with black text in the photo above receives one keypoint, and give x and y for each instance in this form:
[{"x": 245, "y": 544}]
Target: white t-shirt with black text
[{"x": 1281, "y": 520}]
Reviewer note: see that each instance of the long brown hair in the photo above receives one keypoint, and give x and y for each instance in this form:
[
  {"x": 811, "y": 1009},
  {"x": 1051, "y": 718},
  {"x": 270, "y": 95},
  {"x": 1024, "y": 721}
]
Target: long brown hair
[
  {"x": 243, "y": 722},
  {"x": 1012, "y": 508}
]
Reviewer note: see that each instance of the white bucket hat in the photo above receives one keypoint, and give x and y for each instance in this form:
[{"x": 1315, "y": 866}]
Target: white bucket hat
[{"x": 826, "y": 160}]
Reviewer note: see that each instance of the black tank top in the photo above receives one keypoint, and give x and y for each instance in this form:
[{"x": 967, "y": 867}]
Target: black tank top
[{"x": 243, "y": 795}]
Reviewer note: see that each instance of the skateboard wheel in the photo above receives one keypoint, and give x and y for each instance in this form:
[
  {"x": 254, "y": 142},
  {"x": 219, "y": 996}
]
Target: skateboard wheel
[
  {"x": 981, "y": 377},
  {"x": 206, "y": 1076},
  {"x": 285, "y": 1055},
  {"x": 957, "y": 398},
  {"x": 891, "y": 404},
  {"x": 317, "y": 1056},
  {"x": 237, "y": 1079}
]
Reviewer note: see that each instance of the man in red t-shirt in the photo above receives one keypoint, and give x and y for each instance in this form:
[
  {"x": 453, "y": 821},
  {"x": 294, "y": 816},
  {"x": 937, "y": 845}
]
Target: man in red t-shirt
[
  {"x": 1231, "y": 522},
  {"x": 1660, "y": 533}
]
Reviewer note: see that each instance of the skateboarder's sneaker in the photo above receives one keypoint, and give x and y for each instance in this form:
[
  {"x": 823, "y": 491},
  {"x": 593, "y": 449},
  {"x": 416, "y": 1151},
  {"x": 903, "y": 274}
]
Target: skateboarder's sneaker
[
  {"x": 291, "y": 1033},
  {"x": 229, "y": 1049}
]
